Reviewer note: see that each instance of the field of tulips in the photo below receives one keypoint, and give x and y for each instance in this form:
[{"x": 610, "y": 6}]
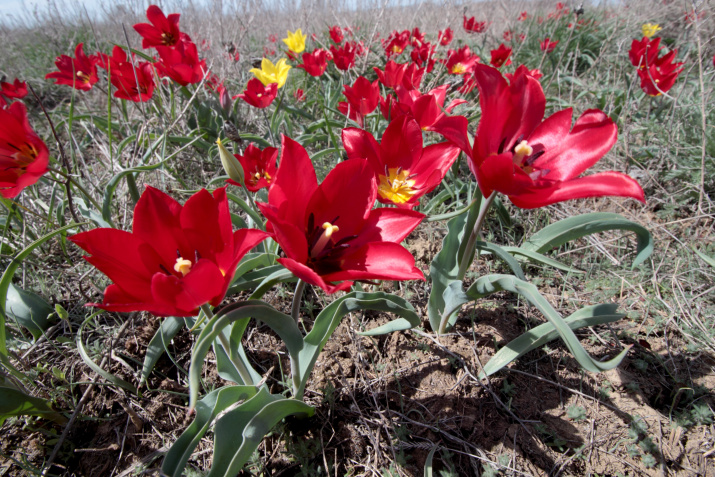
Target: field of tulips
[{"x": 370, "y": 240}]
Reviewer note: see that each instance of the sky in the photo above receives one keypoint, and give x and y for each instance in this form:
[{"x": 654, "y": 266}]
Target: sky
[{"x": 21, "y": 8}]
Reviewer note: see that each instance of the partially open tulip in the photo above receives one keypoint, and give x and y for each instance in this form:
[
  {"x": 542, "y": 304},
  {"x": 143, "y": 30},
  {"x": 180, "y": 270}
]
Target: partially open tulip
[
  {"x": 79, "y": 72},
  {"x": 258, "y": 95},
  {"x": 270, "y": 73},
  {"x": 295, "y": 41}
]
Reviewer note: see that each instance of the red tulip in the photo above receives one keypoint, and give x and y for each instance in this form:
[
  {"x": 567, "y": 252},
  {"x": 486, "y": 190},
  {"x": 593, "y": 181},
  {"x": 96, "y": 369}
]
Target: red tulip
[
  {"x": 344, "y": 57},
  {"x": 336, "y": 34},
  {"x": 315, "y": 63},
  {"x": 362, "y": 97},
  {"x": 176, "y": 258},
  {"x": 472, "y": 26},
  {"x": 162, "y": 31},
  {"x": 412, "y": 79},
  {"x": 657, "y": 74},
  {"x": 181, "y": 63},
  {"x": 79, "y": 72},
  {"x": 501, "y": 56},
  {"x": 392, "y": 76},
  {"x": 396, "y": 42},
  {"x": 461, "y": 61},
  {"x": 23, "y": 155},
  {"x": 330, "y": 232},
  {"x": 445, "y": 37},
  {"x": 133, "y": 82},
  {"x": 259, "y": 167},
  {"x": 522, "y": 16},
  {"x": 424, "y": 55},
  {"x": 258, "y": 95},
  {"x": 429, "y": 112},
  {"x": 404, "y": 170},
  {"x": 299, "y": 95},
  {"x": 537, "y": 162},
  {"x": 548, "y": 45},
  {"x": 417, "y": 38},
  {"x": 15, "y": 90}
]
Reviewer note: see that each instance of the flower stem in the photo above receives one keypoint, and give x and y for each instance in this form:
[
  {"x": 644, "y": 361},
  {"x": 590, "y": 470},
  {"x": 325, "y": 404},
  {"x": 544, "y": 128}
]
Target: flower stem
[
  {"x": 467, "y": 257},
  {"x": 235, "y": 360},
  {"x": 468, "y": 251},
  {"x": 295, "y": 308}
]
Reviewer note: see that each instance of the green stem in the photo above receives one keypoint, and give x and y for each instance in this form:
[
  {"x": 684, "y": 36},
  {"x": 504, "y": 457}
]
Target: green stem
[
  {"x": 469, "y": 249},
  {"x": 73, "y": 182},
  {"x": 295, "y": 308},
  {"x": 237, "y": 362}
]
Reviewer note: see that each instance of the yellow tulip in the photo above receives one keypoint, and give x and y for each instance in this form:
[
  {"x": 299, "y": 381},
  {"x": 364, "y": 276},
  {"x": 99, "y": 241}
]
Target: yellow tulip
[
  {"x": 650, "y": 29},
  {"x": 270, "y": 73},
  {"x": 295, "y": 41}
]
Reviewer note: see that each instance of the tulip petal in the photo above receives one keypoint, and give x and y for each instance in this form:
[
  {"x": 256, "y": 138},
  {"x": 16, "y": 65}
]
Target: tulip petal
[
  {"x": 377, "y": 260},
  {"x": 401, "y": 144},
  {"x": 308, "y": 275},
  {"x": 454, "y": 129},
  {"x": 204, "y": 283},
  {"x": 596, "y": 185},
  {"x": 569, "y": 154},
  {"x": 294, "y": 184},
  {"x": 389, "y": 225},
  {"x": 360, "y": 144},
  {"x": 157, "y": 221}
]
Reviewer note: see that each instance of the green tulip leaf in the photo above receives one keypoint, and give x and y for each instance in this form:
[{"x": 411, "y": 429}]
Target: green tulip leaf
[
  {"x": 206, "y": 411},
  {"x": 29, "y": 310},
  {"x": 542, "y": 334},
  {"x": 579, "y": 226},
  {"x": 240, "y": 430},
  {"x": 157, "y": 346},
  {"x": 14, "y": 402},
  {"x": 540, "y": 258},
  {"x": 329, "y": 319},
  {"x": 489, "y": 284}
]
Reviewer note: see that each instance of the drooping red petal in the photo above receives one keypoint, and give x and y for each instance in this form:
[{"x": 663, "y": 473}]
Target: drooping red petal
[
  {"x": 377, "y": 261},
  {"x": 389, "y": 225},
  {"x": 596, "y": 185},
  {"x": 454, "y": 129},
  {"x": 308, "y": 275}
]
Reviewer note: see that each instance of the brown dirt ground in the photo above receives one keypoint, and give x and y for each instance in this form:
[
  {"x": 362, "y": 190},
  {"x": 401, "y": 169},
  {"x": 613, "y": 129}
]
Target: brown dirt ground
[{"x": 386, "y": 402}]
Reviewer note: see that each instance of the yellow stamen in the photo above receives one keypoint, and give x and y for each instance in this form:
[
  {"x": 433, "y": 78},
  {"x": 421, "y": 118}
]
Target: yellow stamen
[
  {"x": 182, "y": 266},
  {"x": 328, "y": 231},
  {"x": 396, "y": 187},
  {"x": 521, "y": 151},
  {"x": 458, "y": 69}
]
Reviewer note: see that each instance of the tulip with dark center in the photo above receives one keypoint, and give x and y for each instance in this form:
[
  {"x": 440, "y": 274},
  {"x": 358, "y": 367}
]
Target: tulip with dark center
[
  {"x": 79, "y": 72},
  {"x": 23, "y": 155},
  {"x": 258, "y": 95},
  {"x": 329, "y": 232},
  {"x": 162, "y": 31},
  {"x": 537, "y": 161}
]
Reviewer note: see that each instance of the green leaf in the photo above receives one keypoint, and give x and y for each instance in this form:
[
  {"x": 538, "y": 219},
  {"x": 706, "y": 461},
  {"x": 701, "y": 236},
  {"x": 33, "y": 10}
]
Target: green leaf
[
  {"x": 539, "y": 258},
  {"x": 256, "y": 139},
  {"x": 29, "y": 310},
  {"x": 251, "y": 261},
  {"x": 247, "y": 209},
  {"x": 282, "y": 324},
  {"x": 157, "y": 346},
  {"x": 542, "y": 334},
  {"x": 445, "y": 265},
  {"x": 579, "y": 226},
  {"x": 6, "y": 280},
  {"x": 329, "y": 319},
  {"x": 280, "y": 275},
  {"x": 706, "y": 258},
  {"x": 251, "y": 280},
  {"x": 240, "y": 430},
  {"x": 14, "y": 402},
  {"x": 504, "y": 255},
  {"x": 206, "y": 411},
  {"x": 489, "y": 284},
  {"x": 88, "y": 361}
]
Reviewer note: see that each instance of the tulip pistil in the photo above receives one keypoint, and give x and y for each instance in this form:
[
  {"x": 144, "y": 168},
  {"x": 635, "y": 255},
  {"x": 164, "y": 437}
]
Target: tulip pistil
[
  {"x": 182, "y": 266},
  {"x": 328, "y": 231},
  {"x": 396, "y": 185}
]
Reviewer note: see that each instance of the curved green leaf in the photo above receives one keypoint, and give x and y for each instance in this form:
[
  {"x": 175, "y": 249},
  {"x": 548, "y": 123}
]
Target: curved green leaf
[
  {"x": 329, "y": 319},
  {"x": 29, "y": 310},
  {"x": 157, "y": 346},
  {"x": 445, "y": 265},
  {"x": 253, "y": 279},
  {"x": 257, "y": 219},
  {"x": 14, "y": 402},
  {"x": 6, "y": 280},
  {"x": 542, "y": 334},
  {"x": 489, "y": 284},
  {"x": 579, "y": 226},
  {"x": 240, "y": 430},
  {"x": 540, "y": 258},
  {"x": 280, "y": 275},
  {"x": 504, "y": 255},
  {"x": 282, "y": 324},
  {"x": 206, "y": 411}
]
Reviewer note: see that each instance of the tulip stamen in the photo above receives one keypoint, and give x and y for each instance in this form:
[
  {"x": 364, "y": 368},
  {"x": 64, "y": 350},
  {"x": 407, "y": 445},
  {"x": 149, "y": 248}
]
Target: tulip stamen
[
  {"x": 397, "y": 185},
  {"x": 521, "y": 151},
  {"x": 328, "y": 231},
  {"x": 182, "y": 266}
]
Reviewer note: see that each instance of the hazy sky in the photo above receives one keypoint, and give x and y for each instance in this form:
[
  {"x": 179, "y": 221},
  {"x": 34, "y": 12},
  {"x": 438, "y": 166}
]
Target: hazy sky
[{"x": 18, "y": 8}]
